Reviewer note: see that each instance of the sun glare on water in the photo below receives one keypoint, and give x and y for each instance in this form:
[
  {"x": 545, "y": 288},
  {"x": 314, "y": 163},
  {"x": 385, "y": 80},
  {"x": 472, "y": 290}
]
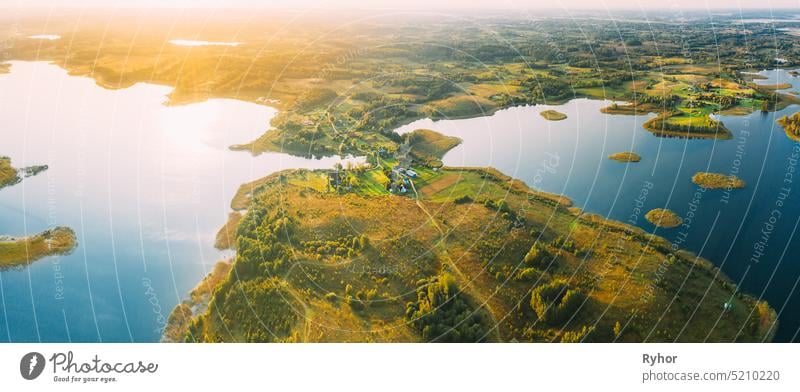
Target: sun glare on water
[
  {"x": 188, "y": 128},
  {"x": 47, "y": 37},
  {"x": 187, "y": 42}
]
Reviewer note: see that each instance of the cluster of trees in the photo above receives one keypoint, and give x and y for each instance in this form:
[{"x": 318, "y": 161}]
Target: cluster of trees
[
  {"x": 724, "y": 101},
  {"x": 379, "y": 115},
  {"x": 431, "y": 88},
  {"x": 565, "y": 243},
  {"x": 360, "y": 299},
  {"x": 505, "y": 211},
  {"x": 556, "y": 302},
  {"x": 538, "y": 256},
  {"x": 314, "y": 98},
  {"x": 261, "y": 234},
  {"x": 580, "y": 336},
  {"x": 251, "y": 311},
  {"x": 664, "y": 101},
  {"x": 345, "y": 246},
  {"x": 548, "y": 88},
  {"x": 791, "y": 124},
  {"x": 441, "y": 313}
]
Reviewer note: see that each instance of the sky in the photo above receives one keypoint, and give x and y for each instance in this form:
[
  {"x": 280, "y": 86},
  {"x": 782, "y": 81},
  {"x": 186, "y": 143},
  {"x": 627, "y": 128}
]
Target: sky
[{"x": 413, "y": 4}]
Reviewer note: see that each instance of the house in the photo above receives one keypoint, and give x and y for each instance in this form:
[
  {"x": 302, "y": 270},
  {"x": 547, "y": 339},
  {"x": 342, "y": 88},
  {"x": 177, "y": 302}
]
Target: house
[{"x": 411, "y": 173}]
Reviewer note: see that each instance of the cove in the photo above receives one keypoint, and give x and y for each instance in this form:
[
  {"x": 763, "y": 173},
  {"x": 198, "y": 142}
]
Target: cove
[{"x": 145, "y": 186}]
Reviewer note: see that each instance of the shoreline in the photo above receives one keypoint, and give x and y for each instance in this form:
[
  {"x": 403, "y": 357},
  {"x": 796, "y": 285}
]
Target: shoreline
[{"x": 465, "y": 116}]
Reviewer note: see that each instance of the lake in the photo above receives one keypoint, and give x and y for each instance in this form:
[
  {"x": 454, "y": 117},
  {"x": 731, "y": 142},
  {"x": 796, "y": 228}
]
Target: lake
[
  {"x": 145, "y": 186},
  {"x": 569, "y": 157}
]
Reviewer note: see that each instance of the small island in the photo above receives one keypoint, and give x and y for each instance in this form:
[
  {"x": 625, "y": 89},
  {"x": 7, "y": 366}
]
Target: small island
[
  {"x": 21, "y": 251},
  {"x": 553, "y": 115},
  {"x": 777, "y": 86},
  {"x": 626, "y": 156},
  {"x": 10, "y": 175},
  {"x": 664, "y": 218},
  {"x": 678, "y": 123},
  {"x": 791, "y": 125},
  {"x": 717, "y": 181}
]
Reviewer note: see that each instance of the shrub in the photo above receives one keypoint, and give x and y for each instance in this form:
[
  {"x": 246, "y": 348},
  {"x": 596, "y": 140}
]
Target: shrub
[
  {"x": 555, "y": 301},
  {"x": 527, "y": 274},
  {"x": 463, "y": 200},
  {"x": 538, "y": 256},
  {"x": 579, "y": 336},
  {"x": 442, "y": 314}
]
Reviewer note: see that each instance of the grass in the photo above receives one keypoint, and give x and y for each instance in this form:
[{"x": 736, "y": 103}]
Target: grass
[
  {"x": 354, "y": 260},
  {"x": 717, "y": 181},
  {"x": 553, "y": 115},
  {"x": 664, "y": 218},
  {"x": 16, "y": 252},
  {"x": 626, "y": 156}
]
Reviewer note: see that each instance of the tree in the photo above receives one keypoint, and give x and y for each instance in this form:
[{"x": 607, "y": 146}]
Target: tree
[
  {"x": 538, "y": 256},
  {"x": 555, "y": 302}
]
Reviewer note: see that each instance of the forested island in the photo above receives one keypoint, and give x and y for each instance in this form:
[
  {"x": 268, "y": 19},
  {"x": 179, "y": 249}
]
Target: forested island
[
  {"x": 662, "y": 217},
  {"x": 717, "y": 181},
  {"x": 553, "y": 115},
  {"x": 791, "y": 125},
  {"x": 625, "y": 156}
]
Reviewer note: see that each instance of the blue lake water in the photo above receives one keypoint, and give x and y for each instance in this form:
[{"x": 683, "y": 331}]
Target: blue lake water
[{"x": 147, "y": 186}]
